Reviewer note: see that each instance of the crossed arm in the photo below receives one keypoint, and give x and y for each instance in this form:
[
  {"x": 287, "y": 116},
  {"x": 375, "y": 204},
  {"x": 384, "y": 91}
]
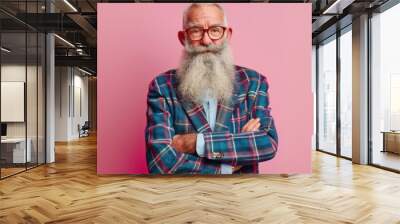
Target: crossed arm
[
  {"x": 186, "y": 143},
  {"x": 166, "y": 154}
]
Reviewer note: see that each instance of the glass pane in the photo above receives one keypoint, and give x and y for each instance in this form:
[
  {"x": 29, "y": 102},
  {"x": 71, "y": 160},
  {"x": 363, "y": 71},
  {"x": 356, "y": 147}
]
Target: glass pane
[
  {"x": 31, "y": 84},
  {"x": 314, "y": 76},
  {"x": 41, "y": 98},
  {"x": 386, "y": 89},
  {"x": 346, "y": 93},
  {"x": 32, "y": 95},
  {"x": 327, "y": 96},
  {"x": 13, "y": 86}
]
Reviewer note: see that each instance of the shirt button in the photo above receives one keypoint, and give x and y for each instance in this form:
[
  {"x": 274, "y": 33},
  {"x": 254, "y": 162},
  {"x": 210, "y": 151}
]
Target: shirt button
[{"x": 217, "y": 155}]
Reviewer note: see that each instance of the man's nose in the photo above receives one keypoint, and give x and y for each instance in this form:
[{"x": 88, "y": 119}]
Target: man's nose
[{"x": 206, "y": 39}]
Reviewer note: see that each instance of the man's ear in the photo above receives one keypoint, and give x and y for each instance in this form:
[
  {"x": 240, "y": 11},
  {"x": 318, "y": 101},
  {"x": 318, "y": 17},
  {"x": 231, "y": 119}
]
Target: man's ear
[
  {"x": 181, "y": 37},
  {"x": 229, "y": 33}
]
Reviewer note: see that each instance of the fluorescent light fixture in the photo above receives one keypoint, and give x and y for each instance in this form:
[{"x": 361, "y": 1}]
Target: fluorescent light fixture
[
  {"x": 5, "y": 50},
  {"x": 337, "y": 7},
  {"x": 331, "y": 7},
  {"x": 80, "y": 51},
  {"x": 65, "y": 41},
  {"x": 70, "y": 5},
  {"x": 84, "y": 71}
]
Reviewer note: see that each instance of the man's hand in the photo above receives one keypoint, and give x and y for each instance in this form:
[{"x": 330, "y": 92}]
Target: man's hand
[
  {"x": 251, "y": 125},
  {"x": 185, "y": 143}
]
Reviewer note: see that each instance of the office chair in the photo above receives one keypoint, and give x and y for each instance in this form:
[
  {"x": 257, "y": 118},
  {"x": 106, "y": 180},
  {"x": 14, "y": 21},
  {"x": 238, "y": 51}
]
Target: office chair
[{"x": 84, "y": 130}]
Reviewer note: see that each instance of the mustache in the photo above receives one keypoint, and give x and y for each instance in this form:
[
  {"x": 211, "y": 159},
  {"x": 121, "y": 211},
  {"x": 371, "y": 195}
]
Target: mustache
[{"x": 212, "y": 48}]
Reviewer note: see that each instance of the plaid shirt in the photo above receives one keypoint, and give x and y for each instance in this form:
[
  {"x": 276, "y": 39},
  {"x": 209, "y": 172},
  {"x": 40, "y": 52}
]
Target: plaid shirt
[{"x": 168, "y": 114}]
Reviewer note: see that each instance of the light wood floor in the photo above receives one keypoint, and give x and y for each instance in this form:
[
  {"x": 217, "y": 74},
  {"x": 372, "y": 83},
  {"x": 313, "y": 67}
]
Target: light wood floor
[
  {"x": 69, "y": 191},
  {"x": 10, "y": 171},
  {"x": 388, "y": 159}
]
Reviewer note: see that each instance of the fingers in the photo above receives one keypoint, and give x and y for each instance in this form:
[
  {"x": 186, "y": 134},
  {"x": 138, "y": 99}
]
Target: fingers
[
  {"x": 175, "y": 142},
  {"x": 236, "y": 168},
  {"x": 175, "y": 138},
  {"x": 252, "y": 125},
  {"x": 247, "y": 125}
]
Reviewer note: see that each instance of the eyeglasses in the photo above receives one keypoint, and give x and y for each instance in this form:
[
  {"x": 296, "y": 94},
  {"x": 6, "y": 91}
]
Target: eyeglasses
[{"x": 197, "y": 33}]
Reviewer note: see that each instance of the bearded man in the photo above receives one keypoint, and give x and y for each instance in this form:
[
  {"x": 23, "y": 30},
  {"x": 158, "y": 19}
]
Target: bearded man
[{"x": 209, "y": 116}]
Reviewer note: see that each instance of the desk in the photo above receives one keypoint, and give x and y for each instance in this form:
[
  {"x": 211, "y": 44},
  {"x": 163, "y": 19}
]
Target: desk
[
  {"x": 13, "y": 150},
  {"x": 391, "y": 141}
]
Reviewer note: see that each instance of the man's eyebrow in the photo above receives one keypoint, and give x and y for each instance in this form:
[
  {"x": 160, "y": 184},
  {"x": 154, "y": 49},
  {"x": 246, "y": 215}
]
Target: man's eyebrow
[
  {"x": 190, "y": 25},
  {"x": 217, "y": 24}
]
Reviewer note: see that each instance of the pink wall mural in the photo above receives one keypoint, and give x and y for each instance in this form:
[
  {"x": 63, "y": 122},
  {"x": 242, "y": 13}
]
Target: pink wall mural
[{"x": 138, "y": 41}]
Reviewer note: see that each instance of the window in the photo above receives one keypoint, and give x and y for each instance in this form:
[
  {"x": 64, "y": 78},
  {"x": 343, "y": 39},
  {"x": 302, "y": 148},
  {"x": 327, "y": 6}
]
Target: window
[
  {"x": 385, "y": 88},
  {"x": 327, "y": 95},
  {"x": 346, "y": 93}
]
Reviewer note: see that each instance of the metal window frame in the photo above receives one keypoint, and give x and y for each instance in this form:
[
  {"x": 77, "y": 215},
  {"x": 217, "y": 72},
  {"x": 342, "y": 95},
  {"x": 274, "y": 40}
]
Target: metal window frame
[{"x": 339, "y": 32}]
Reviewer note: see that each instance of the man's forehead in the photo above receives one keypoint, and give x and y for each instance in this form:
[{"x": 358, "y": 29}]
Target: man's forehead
[{"x": 209, "y": 15}]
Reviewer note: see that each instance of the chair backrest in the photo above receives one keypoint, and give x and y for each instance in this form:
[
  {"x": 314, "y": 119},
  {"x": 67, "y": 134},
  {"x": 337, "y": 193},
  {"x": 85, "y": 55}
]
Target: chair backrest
[{"x": 86, "y": 125}]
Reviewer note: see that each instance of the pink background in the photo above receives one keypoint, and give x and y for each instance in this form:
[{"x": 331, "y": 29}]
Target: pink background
[{"x": 138, "y": 41}]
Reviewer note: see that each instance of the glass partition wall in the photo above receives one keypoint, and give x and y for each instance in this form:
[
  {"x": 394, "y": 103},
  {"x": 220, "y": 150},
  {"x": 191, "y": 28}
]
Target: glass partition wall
[
  {"x": 22, "y": 88},
  {"x": 334, "y": 94}
]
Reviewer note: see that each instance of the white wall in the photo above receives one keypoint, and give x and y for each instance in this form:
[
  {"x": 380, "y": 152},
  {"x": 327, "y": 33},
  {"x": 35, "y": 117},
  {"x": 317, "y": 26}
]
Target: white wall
[
  {"x": 61, "y": 103},
  {"x": 79, "y": 117},
  {"x": 33, "y": 127},
  {"x": 71, "y": 87},
  {"x": 15, "y": 72},
  {"x": 9, "y": 73}
]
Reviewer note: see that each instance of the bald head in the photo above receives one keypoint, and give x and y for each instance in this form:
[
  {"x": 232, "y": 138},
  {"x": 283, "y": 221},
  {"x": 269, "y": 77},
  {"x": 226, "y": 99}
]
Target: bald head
[{"x": 202, "y": 11}]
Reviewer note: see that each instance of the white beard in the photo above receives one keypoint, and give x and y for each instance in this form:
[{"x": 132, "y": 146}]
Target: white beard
[{"x": 206, "y": 70}]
